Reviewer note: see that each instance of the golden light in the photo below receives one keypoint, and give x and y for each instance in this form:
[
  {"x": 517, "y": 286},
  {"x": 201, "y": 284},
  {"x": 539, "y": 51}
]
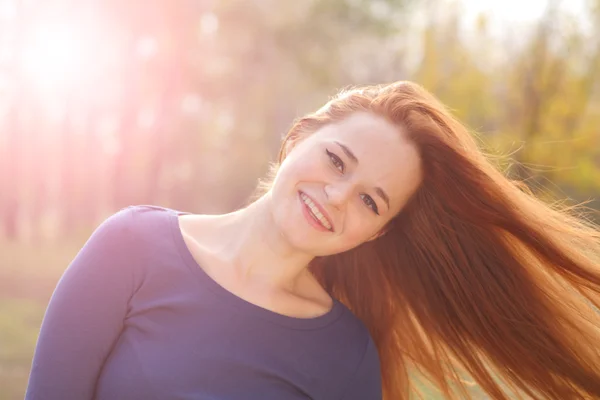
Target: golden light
[{"x": 59, "y": 56}]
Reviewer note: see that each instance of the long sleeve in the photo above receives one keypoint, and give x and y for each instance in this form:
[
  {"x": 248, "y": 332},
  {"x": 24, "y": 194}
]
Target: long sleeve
[
  {"x": 86, "y": 313},
  {"x": 366, "y": 383}
]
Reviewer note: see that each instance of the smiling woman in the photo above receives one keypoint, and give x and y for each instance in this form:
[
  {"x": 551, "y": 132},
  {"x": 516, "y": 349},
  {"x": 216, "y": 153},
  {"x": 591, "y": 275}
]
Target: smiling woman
[
  {"x": 344, "y": 169},
  {"x": 384, "y": 244}
]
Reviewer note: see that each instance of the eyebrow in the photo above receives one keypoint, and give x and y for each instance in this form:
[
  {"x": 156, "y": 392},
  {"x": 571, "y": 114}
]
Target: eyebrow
[
  {"x": 348, "y": 152},
  {"x": 380, "y": 192}
]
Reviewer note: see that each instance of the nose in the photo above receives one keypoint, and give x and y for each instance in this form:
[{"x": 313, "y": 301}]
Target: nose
[{"x": 338, "y": 193}]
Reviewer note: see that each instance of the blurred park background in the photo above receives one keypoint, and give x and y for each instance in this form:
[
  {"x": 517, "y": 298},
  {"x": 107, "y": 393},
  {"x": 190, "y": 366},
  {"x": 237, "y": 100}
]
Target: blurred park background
[{"x": 183, "y": 103}]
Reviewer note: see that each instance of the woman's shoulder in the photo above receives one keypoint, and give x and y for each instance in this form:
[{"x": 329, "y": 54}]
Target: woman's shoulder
[
  {"x": 144, "y": 227},
  {"x": 132, "y": 214},
  {"x": 142, "y": 219},
  {"x": 149, "y": 237},
  {"x": 149, "y": 213}
]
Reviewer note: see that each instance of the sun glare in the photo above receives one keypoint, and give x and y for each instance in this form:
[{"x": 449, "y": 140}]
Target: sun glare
[{"x": 57, "y": 57}]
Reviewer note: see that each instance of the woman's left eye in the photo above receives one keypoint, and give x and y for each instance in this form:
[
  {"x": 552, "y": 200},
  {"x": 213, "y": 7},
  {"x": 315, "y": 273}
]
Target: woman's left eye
[
  {"x": 337, "y": 162},
  {"x": 368, "y": 200}
]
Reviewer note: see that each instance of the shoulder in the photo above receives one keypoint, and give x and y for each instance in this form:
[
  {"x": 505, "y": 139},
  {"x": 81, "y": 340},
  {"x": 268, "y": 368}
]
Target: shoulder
[
  {"x": 364, "y": 373},
  {"x": 150, "y": 216},
  {"x": 130, "y": 216},
  {"x": 142, "y": 238},
  {"x": 354, "y": 327},
  {"x": 141, "y": 228},
  {"x": 142, "y": 220},
  {"x": 115, "y": 230},
  {"x": 366, "y": 381}
]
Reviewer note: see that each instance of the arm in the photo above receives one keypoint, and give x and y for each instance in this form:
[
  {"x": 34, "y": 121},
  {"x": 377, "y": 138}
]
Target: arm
[
  {"x": 366, "y": 382},
  {"x": 85, "y": 314}
]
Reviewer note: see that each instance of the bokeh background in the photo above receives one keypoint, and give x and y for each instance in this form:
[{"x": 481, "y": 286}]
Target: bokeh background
[{"x": 183, "y": 103}]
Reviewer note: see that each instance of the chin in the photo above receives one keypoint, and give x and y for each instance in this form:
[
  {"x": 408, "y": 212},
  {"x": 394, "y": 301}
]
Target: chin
[{"x": 300, "y": 241}]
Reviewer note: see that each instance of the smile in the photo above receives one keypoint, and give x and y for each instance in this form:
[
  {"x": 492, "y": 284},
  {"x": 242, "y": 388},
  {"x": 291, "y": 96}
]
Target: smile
[{"x": 315, "y": 214}]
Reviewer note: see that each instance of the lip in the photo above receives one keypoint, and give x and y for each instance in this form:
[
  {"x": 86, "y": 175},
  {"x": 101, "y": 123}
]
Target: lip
[{"x": 321, "y": 209}]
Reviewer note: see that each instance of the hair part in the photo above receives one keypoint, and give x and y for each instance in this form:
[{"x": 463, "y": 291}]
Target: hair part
[{"x": 476, "y": 277}]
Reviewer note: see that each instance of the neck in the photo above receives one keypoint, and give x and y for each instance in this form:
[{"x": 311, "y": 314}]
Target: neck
[{"x": 250, "y": 242}]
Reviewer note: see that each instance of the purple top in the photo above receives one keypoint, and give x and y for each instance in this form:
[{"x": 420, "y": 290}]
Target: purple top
[{"x": 135, "y": 317}]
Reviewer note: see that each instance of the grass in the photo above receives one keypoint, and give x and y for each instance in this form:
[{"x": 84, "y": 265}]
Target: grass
[
  {"x": 19, "y": 324},
  {"x": 28, "y": 276}
]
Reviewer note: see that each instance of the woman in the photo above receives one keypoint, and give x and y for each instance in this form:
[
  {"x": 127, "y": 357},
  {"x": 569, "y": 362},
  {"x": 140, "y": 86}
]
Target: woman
[{"x": 384, "y": 245}]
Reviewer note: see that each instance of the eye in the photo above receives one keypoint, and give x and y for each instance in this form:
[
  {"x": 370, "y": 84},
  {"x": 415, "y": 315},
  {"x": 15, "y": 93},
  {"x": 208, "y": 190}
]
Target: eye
[
  {"x": 335, "y": 160},
  {"x": 368, "y": 200}
]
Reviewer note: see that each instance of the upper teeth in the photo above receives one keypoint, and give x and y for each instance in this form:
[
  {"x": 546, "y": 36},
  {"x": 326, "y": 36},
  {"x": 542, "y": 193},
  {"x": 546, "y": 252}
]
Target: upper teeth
[{"x": 315, "y": 211}]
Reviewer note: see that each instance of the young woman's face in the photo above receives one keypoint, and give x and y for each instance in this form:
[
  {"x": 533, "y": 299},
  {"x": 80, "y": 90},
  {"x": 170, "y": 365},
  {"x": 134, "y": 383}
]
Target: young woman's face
[{"x": 339, "y": 187}]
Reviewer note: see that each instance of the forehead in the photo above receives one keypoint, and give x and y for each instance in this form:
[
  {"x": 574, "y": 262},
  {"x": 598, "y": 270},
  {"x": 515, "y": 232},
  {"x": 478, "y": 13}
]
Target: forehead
[
  {"x": 364, "y": 129},
  {"x": 386, "y": 157}
]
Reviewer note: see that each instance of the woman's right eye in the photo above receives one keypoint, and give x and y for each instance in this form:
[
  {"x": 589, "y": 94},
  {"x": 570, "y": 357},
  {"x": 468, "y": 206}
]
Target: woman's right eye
[{"x": 335, "y": 160}]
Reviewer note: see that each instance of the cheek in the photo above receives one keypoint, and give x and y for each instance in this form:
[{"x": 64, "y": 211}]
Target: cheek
[
  {"x": 356, "y": 232},
  {"x": 306, "y": 167}
]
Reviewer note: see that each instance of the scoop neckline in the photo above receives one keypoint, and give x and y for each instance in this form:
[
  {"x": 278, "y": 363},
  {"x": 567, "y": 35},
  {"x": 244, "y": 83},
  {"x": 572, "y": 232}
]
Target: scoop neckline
[{"x": 243, "y": 305}]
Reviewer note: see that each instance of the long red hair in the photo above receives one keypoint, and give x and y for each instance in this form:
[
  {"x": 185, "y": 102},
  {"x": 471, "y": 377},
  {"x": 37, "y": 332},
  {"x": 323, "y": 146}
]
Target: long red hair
[{"x": 476, "y": 278}]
